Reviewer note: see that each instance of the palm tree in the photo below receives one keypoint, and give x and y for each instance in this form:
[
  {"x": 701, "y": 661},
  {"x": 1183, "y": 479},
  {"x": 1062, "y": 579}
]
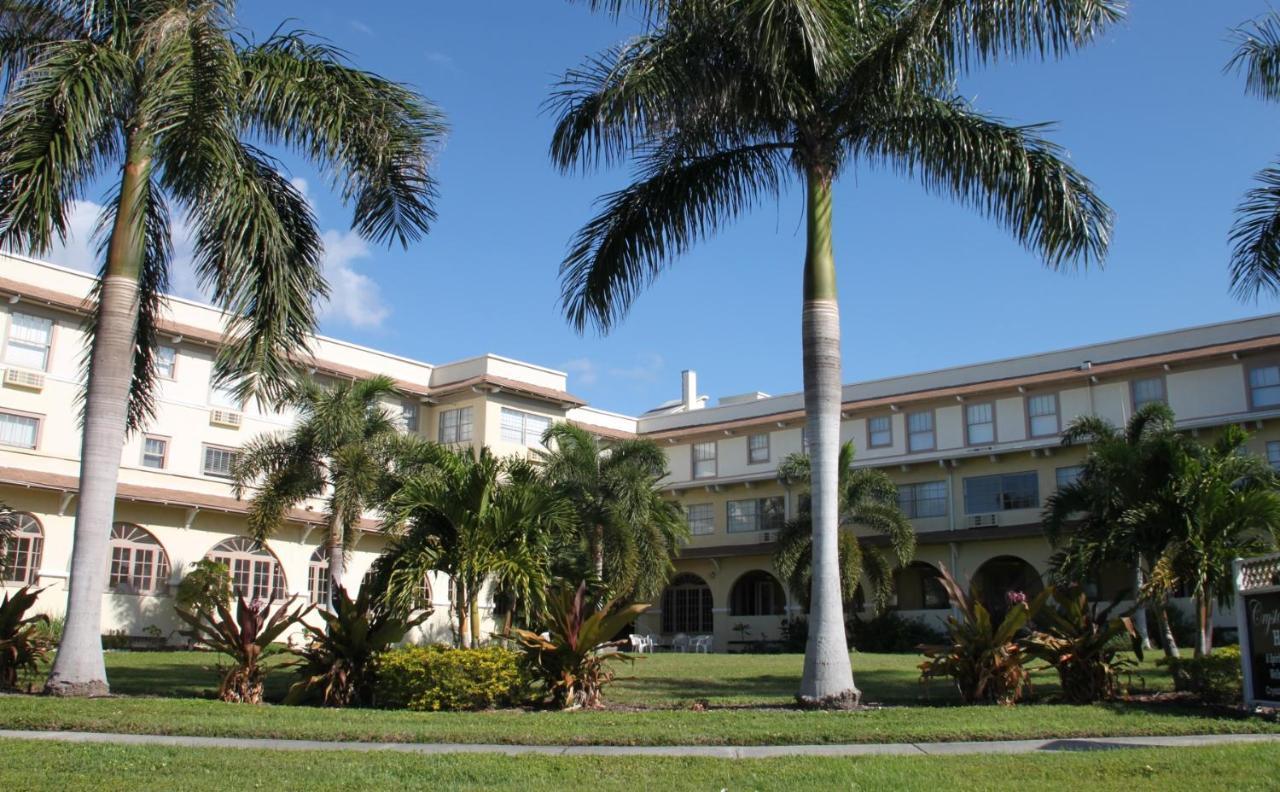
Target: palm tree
[
  {"x": 172, "y": 93},
  {"x": 1119, "y": 509},
  {"x": 478, "y": 519},
  {"x": 337, "y": 450},
  {"x": 868, "y": 498},
  {"x": 1228, "y": 507},
  {"x": 719, "y": 103},
  {"x": 1255, "y": 237},
  {"x": 630, "y": 532}
]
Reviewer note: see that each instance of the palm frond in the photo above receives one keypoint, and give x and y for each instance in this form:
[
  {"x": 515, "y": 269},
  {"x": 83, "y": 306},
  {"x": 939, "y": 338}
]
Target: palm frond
[
  {"x": 1257, "y": 54},
  {"x": 1255, "y": 238}
]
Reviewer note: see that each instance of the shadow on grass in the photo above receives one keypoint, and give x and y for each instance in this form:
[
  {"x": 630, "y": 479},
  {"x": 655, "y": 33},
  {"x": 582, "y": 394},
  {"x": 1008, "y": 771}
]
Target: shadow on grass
[{"x": 194, "y": 675}]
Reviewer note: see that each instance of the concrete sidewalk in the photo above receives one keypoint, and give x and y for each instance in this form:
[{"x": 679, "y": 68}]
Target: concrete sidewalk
[{"x": 714, "y": 751}]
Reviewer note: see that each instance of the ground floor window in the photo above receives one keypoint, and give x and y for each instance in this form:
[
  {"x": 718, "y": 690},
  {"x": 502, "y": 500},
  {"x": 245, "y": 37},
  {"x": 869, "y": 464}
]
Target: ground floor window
[
  {"x": 318, "y": 577},
  {"x": 139, "y": 564},
  {"x": 686, "y": 605},
  {"x": 23, "y": 549},
  {"x": 256, "y": 574},
  {"x": 757, "y": 594}
]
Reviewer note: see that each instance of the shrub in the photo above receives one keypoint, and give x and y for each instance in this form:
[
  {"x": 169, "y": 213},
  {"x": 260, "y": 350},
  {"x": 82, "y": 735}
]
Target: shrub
[
  {"x": 23, "y": 645},
  {"x": 1079, "y": 642},
  {"x": 205, "y": 587},
  {"x": 795, "y": 633},
  {"x": 891, "y": 632},
  {"x": 246, "y": 638},
  {"x": 428, "y": 678},
  {"x": 572, "y": 660},
  {"x": 984, "y": 658},
  {"x": 1217, "y": 678},
  {"x": 339, "y": 665}
]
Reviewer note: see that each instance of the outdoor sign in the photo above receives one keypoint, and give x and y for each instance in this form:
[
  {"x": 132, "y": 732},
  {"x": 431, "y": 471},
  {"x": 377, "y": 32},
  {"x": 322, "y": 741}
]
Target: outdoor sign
[{"x": 1257, "y": 582}]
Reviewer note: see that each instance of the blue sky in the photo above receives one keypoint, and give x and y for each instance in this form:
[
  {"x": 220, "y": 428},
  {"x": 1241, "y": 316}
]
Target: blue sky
[{"x": 1170, "y": 140}]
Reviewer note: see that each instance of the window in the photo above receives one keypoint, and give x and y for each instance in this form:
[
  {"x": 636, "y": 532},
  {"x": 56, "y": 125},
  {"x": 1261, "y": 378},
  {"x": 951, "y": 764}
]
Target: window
[
  {"x": 155, "y": 451},
  {"x": 704, "y": 459},
  {"x": 166, "y": 360},
  {"x": 919, "y": 587},
  {"x": 702, "y": 518},
  {"x": 757, "y": 594},
  {"x": 222, "y": 395},
  {"x": 409, "y": 415},
  {"x": 19, "y": 431},
  {"x": 23, "y": 549},
  {"x": 1148, "y": 391},
  {"x": 139, "y": 565},
  {"x": 29, "y": 340},
  {"x": 1264, "y": 386},
  {"x": 980, "y": 423},
  {"x": 318, "y": 577},
  {"x": 927, "y": 499},
  {"x": 1065, "y": 476},
  {"x": 256, "y": 574},
  {"x": 686, "y": 605},
  {"x": 1273, "y": 453},
  {"x": 920, "y": 432},
  {"x": 757, "y": 449},
  {"x": 1001, "y": 492},
  {"x": 879, "y": 431},
  {"x": 523, "y": 428},
  {"x": 756, "y": 514},
  {"x": 455, "y": 425},
  {"x": 219, "y": 461},
  {"x": 1042, "y": 415}
]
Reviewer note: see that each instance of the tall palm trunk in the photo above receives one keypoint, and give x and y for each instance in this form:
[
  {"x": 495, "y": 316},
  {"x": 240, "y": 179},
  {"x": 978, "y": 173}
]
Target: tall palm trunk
[
  {"x": 475, "y": 615},
  {"x": 337, "y": 555},
  {"x": 597, "y": 550},
  {"x": 1204, "y": 620},
  {"x": 78, "y": 669},
  {"x": 1167, "y": 640},
  {"x": 1140, "y": 613},
  {"x": 464, "y": 609},
  {"x": 828, "y": 677}
]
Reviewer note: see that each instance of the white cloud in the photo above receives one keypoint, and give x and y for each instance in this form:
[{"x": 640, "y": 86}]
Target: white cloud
[
  {"x": 441, "y": 59},
  {"x": 583, "y": 370},
  {"x": 354, "y": 298},
  {"x": 647, "y": 368},
  {"x": 361, "y": 27}
]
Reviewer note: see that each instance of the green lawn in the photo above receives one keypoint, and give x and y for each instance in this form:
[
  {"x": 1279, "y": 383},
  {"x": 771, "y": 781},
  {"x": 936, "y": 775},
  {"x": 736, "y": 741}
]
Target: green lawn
[
  {"x": 52, "y": 766},
  {"x": 159, "y": 693}
]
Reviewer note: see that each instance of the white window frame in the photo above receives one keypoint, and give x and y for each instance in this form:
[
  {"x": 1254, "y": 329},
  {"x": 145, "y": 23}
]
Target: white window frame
[
  {"x": 754, "y": 458},
  {"x": 172, "y": 362},
  {"x": 456, "y": 425},
  {"x": 37, "y": 420},
  {"x": 45, "y": 349},
  {"x": 970, "y": 424},
  {"x": 931, "y": 432},
  {"x": 164, "y": 454},
  {"x": 136, "y": 555},
  {"x": 204, "y": 459},
  {"x": 528, "y": 438},
  {"x": 410, "y": 415},
  {"x": 887, "y": 431},
  {"x": 1031, "y": 419},
  {"x": 714, "y": 458}
]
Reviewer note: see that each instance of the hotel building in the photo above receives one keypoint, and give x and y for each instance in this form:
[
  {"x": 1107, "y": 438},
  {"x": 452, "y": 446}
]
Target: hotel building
[{"x": 974, "y": 450}]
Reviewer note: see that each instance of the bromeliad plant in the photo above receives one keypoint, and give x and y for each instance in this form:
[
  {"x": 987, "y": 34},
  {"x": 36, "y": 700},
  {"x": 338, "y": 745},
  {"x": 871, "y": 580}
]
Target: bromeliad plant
[
  {"x": 1077, "y": 640},
  {"x": 985, "y": 658},
  {"x": 23, "y": 639},
  {"x": 246, "y": 637},
  {"x": 572, "y": 660},
  {"x": 340, "y": 664}
]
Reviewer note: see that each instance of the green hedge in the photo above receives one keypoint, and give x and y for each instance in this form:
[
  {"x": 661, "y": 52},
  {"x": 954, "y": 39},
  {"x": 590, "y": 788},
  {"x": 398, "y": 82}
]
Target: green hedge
[
  {"x": 428, "y": 678},
  {"x": 1218, "y": 678}
]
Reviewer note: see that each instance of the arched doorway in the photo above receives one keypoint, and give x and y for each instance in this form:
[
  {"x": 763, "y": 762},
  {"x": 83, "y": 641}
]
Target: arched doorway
[
  {"x": 1002, "y": 576},
  {"x": 919, "y": 587},
  {"x": 686, "y": 605},
  {"x": 757, "y": 593}
]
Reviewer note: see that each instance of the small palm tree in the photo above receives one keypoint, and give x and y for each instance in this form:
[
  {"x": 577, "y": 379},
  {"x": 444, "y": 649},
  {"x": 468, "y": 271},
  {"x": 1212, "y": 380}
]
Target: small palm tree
[
  {"x": 337, "y": 450},
  {"x": 1255, "y": 237},
  {"x": 629, "y": 531},
  {"x": 1119, "y": 508},
  {"x": 721, "y": 103},
  {"x": 868, "y": 498},
  {"x": 172, "y": 95}
]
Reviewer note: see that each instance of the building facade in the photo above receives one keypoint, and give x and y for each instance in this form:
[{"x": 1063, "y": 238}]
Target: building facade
[{"x": 974, "y": 450}]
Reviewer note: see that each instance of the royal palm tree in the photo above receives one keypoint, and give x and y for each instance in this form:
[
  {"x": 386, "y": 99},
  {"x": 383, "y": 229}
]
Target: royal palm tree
[
  {"x": 869, "y": 499},
  {"x": 338, "y": 450},
  {"x": 171, "y": 92},
  {"x": 1255, "y": 237},
  {"x": 1228, "y": 507},
  {"x": 629, "y": 531},
  {"x": 720, "y": 103},
  {"x": 1120, "y": 508}
]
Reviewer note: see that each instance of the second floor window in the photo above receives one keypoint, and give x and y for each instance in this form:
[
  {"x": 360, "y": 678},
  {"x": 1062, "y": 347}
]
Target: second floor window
[
  {"x": 1148, "y": 391},
  {"x": 523, "y": 428},
  {"x": 455, "y": 425},
  {"x": 1001, "y": 492},
  {"x": 927, "y": 499},
  {"x": 1042, "y": 415},
  {"x": 756, "y": 514},
  {"x": 980, "y": 423},
  {"x": 704, "y": 459},
  {"x": 19, "y": 431},
  {"x": 702, "y": 518},
  {"x": 1264, "y": 386},
  {"x": 1066, "y": 476},
  {"x": 879, "y": 432},
  {"x": 920, "y": 432},
  {"x": 154, "y": 452},
  {"x": 758, "y": 449},
  {"x": 409, "y": 415},
  {"x": 166, "y": 362},
  {"x": 219, "y": 462},
  {"x": 29, "y": 340}
]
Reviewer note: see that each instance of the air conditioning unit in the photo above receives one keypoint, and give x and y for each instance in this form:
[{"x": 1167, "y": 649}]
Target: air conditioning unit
[
  {"x": 22, "y": 378},
  {"x": 228, "y": 418},
  {"x": 983, "y": 520}
]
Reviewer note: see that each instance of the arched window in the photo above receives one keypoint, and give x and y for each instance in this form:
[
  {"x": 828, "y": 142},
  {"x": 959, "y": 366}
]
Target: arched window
[
  {"x": 318, "y": 577},
  {"x": 256, "y": 574},
  {"x": 686, "y": 605},
  {"x": 139, "y": 565},
  {"x": 24, "y": 549},
  {"x": 919, "y": 587},
  {"x": 757, "y": 593}
]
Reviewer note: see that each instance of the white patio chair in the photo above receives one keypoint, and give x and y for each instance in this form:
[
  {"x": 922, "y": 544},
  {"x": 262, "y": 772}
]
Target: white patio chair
[
  {"x": 703, "y": 643},
  {"x": 650, "y": 643},
  {"x": 638, "y": 643},
  {"x": 680, "y": 643}
]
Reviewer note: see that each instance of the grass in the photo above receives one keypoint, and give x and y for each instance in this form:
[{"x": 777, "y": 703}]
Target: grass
[
  {"x": 103, "y": 767},
  {"x": 158, "y": 693}
]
